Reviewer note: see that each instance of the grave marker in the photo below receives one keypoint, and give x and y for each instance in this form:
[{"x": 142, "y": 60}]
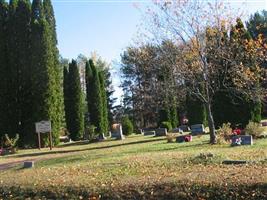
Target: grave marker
[
  {"x": 197, "y": 129},
  {"x": 147, "y": 133},
  {"x": 242, "y": 139},
  {"x": 117, "y": 132},
  {"x": 161, "y": 132}
]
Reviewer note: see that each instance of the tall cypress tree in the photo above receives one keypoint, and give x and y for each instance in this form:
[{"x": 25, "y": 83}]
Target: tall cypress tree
[
  {"x": 89, "y": 84},
  {"x": 75, "y": 122},
  {"x": 66, "y": 95},
  {"x": 96, "y": 115},
  {"x": 11, "y": 74},
  {"x": 104, "y": 103},
  {"x": 58, "y": 114},
  {"x": 3, "y": 66},
  {"x": 18, "y": 29},
  {"x": 43, "y": 69}
]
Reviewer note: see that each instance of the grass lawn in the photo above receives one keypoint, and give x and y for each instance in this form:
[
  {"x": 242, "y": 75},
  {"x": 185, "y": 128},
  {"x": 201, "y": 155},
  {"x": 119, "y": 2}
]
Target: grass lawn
[{"x": 138, "y": 167}]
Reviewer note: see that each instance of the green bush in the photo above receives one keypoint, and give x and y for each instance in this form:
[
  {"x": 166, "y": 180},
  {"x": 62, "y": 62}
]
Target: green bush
[
  {"x": 127, "y": 126},
  {"x": 254, "y": 129},
  {"x": 91, "y": 132},
  {"x": 224, "y": 133},
  {"x": 167, "y": 125}
]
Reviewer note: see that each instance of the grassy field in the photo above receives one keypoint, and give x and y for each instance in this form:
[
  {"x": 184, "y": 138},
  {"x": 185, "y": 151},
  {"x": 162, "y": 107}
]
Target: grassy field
[{"x": 138, "y": 168}]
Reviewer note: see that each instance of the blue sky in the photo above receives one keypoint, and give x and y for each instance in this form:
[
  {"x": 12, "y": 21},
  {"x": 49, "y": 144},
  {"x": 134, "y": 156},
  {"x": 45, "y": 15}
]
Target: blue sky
[
  {"x": 103, "y": 26},
  {"x": 107, "y": 26}
]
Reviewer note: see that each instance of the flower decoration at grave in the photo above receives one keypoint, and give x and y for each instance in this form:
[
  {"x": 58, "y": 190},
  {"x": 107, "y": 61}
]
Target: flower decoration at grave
[{"x": 237, "y": 131}]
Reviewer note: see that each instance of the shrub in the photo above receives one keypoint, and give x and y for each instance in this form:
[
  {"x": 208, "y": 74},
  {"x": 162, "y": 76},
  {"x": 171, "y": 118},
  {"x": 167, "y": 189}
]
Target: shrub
[
  {"x": 171, "y": 137},
  {"x": 254, "y": 129},
  {"x": 91, "y": 132},
  {"x": 12, "y": 143},
  {"x": 127, "y": 126},
  {"x": 224, "y": 133},
  {"x": 167, "y": 125}
]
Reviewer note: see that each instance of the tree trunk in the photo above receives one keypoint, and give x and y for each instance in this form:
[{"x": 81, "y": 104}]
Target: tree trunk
[{"x": 211, "y": 124}]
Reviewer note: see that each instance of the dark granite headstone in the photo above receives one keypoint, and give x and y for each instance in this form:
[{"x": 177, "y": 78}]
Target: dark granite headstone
[
  {"x": 197, "y": 129},
  {"x": 180, "y": 139},
  {"x": 28, "y": 164},
  {"x": 161, "y": 132},
  {"x": 177, "y": 130},
  {"x": 242, "y": 140},
  {"x": 234, "y": 162},
  {"x": 184, "y": 128},
  {"x": 117, "y": 132},
  {"x": 147, "y": 133}
]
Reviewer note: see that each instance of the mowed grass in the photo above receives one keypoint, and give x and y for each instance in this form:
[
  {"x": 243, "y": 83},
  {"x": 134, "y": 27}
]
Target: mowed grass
[{"x": 134, "y": 163}]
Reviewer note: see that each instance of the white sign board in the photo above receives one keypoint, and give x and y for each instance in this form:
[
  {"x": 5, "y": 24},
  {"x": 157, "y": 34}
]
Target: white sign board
[{"x": 43, "y": 127}]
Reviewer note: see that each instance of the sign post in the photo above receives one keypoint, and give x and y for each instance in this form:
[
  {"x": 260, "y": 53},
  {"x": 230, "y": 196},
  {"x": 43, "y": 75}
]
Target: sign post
[{"x": 43, "y": 127}]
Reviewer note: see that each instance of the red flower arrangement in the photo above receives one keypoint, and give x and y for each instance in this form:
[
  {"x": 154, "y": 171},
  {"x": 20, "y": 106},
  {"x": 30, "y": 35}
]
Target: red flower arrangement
[{"x": 237, "y": 131}]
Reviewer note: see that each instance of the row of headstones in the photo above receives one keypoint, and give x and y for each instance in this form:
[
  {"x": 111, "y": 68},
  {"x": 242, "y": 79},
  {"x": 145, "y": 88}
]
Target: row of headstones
[{"x": 195, "y": 130}]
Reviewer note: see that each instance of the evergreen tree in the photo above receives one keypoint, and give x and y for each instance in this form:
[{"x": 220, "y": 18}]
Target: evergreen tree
[
  {"x": 44, "y": 85},
  {"x": 58, "y": 114},
  {"x": 18, "y": 45},
  {"x": 66, "y": 96},
  {"x": 105, "y": 123},
  {"x": 96, "y": 114},
  {"x": 256, "y": 24},
  {"x": 89, "y": 84},
  {"x": 74, "y": 104},
  {"x": 196, "y": 111},
  {"x": 3, "y": 66}
]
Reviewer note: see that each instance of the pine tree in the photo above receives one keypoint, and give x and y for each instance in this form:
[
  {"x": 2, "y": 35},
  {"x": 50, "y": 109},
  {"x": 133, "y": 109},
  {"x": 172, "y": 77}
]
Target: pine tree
[
  {"x": 96, "y": 114},
  {"x": 75, "y": 122},
  {"x": 3, "y": 66}
]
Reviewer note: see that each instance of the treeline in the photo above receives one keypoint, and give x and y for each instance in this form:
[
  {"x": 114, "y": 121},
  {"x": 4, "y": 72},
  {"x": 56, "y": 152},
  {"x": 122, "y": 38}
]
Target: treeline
[
  {"x": 30, "y": 74},
  {"x": 155, "y": 89}
]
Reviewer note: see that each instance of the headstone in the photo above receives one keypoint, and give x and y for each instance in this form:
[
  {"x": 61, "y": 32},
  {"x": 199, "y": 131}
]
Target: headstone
[
  {"x": 147, "y": 133},
  {"x": 184, "y": 128},
  {"x": 197, "y": 129},
  {"x": 234, "y": 162},
  {"x": 180, "y": 139},
  {"x": 264, "y": 123},
  {"x": 117, "y": 132},
  {"x": 177, "y": 130},
  {"x": 161, "y": 132},
  {"x": 242, "y": 140},
  {"x": 28, "y": 164}
]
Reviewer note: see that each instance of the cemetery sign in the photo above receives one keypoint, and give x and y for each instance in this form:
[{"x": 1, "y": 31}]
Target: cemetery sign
[{"x": 43, "y": 127}]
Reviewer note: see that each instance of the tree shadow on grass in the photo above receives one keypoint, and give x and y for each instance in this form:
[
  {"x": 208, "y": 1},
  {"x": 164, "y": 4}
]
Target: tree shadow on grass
[{"x": 87, "y": 149}]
